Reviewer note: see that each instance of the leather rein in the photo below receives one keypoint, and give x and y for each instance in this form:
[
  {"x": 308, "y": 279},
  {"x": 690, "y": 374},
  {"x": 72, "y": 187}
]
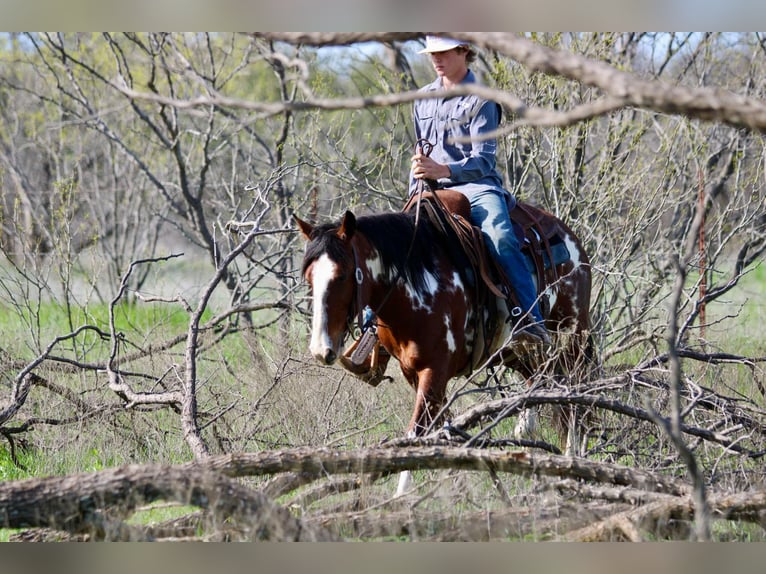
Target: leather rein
[{"x": 364, "y": 323}]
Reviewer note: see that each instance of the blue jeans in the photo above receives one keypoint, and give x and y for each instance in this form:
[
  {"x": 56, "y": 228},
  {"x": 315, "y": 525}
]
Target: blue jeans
[{"x": 490, "y": 213}]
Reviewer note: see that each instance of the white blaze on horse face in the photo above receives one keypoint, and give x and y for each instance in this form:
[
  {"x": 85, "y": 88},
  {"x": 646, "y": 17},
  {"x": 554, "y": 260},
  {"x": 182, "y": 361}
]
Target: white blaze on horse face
[{"x": 322, "y": 272}]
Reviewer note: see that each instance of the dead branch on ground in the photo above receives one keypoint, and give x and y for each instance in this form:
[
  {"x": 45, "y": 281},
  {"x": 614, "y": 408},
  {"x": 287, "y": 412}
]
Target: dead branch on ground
[{"x": 623, "y": 500}]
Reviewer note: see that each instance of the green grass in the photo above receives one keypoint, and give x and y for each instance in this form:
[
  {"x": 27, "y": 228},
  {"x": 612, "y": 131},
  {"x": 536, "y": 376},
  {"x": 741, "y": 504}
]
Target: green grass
[
  {"x": 27, "y": 331},
  {"x": 136, "y": 316},
  {"x": 9, "y": 470},
  {"x": 155, "y": 514},
  {"x": 744, "y": 334},
  {"x": 730, "y": 531},
  {"x": 262, "y": 394}
]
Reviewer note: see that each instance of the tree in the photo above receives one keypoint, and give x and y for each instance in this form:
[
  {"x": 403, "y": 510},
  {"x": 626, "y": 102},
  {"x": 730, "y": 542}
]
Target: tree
[{"x": 117, "y": 151}]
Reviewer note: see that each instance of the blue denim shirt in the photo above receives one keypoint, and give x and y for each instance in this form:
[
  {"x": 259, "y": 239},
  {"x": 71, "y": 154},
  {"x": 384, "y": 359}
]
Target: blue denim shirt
[{"x": 472, "y": 164}]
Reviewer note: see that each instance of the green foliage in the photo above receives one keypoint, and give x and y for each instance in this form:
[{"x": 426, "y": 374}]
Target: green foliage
[
  {"x": 25, "y": 465},
  {"x": 136, "y": 322},
  {"x": 94, "y": 181}
]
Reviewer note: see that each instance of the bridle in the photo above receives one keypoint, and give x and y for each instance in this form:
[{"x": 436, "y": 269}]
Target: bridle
[
  {"x": 356, "y": 301},
  {"x": 364, "y": 323},
  {"x": 426, "y": 147}
]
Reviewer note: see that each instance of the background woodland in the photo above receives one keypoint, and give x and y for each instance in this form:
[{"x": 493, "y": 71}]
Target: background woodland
[{"x": 155, "y": 322}]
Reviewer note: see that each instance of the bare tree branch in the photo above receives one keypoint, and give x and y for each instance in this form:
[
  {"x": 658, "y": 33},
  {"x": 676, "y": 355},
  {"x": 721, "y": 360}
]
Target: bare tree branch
[
  {"x": 320, "y": 461},
  {"x": 711, "y": 104}
]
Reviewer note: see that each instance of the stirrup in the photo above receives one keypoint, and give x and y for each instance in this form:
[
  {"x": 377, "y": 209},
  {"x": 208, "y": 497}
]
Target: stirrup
[
  {"x": 371, "y": 376},
  {"x": 368, "y": 369}
]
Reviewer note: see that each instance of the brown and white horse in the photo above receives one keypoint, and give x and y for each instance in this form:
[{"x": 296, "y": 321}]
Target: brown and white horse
[{"x": 423, "y": 303}]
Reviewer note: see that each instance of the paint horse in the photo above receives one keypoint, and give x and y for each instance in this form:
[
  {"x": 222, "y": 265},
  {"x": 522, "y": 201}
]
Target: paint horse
[{"x": 423, "y": 299}]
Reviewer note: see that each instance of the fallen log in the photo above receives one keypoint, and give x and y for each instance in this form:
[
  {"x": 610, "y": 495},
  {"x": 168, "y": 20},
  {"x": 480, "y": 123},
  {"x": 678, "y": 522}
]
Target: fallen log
[
  {"x": 325, "y": 461},
  {"x": 97, "y": 503}
]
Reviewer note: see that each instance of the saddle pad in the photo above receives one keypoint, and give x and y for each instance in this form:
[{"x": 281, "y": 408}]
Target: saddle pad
[{"x": 558, "y": 250}]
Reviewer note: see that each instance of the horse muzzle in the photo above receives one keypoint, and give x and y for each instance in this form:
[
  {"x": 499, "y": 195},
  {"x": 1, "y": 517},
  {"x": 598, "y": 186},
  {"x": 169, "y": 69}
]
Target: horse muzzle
[
  {"x": 324, "y": 350},
  {"x": 326, "y": 356}
]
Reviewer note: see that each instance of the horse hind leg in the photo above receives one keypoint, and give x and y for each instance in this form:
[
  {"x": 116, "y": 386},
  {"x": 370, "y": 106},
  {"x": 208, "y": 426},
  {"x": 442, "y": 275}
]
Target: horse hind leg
[
  {"x": 527, "y": 424},
  {"x": 571, "y": 420},
  {"x": 568, "y": 423},
  {"x": 405, "y": 483}
]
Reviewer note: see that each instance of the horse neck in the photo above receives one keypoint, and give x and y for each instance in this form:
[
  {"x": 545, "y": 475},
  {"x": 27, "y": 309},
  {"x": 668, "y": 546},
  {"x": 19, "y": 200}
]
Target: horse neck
[{"x": 377, "y": 286}]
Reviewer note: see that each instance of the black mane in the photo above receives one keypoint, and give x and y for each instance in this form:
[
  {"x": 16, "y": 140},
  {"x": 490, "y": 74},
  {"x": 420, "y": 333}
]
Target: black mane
[
  {"x": 324, "y": 240},
  {"x": 391, "y": 234}
]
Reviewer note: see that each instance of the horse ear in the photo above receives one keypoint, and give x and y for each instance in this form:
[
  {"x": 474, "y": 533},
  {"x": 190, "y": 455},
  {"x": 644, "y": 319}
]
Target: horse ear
[
  {"x": 304, "y": 227},
  {"x": 347, "y": 226}
]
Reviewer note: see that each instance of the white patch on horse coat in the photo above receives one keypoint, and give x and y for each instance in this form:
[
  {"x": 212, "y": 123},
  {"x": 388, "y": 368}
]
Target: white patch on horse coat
[
  {"x": 419, "y": 299},
  {"x": 451, "y": 345},
  {"x": 551, "y": 292},
  {"x": 322, "y": 272},
  {"x": 457, "y": 283},
  {"x": 374, "y": 267},
  {"x": 378, "y": 273},
  {"x": 568, "y": 282},
  {"x": 565, "y": 283},
  {"x": 574, "y": 252}
]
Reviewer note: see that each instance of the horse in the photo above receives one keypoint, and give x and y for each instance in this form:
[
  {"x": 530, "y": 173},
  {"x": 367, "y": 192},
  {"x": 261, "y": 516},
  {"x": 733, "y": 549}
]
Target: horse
[{"x": 423, "y": 301}]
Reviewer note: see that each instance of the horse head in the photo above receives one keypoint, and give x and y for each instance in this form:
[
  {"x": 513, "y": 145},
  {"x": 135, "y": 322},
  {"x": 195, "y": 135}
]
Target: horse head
[{"x": 329, "y": 269}]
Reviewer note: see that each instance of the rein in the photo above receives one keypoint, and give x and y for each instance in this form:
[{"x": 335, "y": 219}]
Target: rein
[
  {"x": 422, "y": 185},
  {"x": 368, "y": 321}
]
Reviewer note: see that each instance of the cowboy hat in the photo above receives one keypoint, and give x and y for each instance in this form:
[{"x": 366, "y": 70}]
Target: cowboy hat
[{"x": 440, "y": 44}]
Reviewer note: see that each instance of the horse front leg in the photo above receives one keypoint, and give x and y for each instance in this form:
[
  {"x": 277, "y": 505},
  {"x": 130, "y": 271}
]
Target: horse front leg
[{"x": 429, "y": 398}]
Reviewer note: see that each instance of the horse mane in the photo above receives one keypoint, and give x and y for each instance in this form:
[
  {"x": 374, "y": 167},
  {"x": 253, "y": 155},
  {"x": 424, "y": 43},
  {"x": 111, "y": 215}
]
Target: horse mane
[
  {"x": 323, "y": 240},
  {"x": 391, "y": 235}
]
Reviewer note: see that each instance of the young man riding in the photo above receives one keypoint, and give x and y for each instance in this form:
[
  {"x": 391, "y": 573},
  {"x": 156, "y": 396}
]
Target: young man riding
[{"x": 470, "y": 166}]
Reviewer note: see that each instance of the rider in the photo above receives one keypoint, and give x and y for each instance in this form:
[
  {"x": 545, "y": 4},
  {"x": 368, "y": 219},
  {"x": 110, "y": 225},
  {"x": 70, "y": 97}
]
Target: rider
[{"x": 470, "y": 166}]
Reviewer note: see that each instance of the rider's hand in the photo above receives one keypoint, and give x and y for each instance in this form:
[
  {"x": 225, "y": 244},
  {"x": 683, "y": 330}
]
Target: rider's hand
[{"x": 423, "y": 167}]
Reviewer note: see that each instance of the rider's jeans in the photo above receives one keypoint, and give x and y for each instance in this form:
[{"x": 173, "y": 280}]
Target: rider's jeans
[{"x": 490, "y": 213}]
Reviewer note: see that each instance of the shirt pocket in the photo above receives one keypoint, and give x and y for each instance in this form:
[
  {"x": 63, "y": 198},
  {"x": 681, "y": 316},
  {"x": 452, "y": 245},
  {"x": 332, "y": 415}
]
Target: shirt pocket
[{"x": 456, "y": 124}]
